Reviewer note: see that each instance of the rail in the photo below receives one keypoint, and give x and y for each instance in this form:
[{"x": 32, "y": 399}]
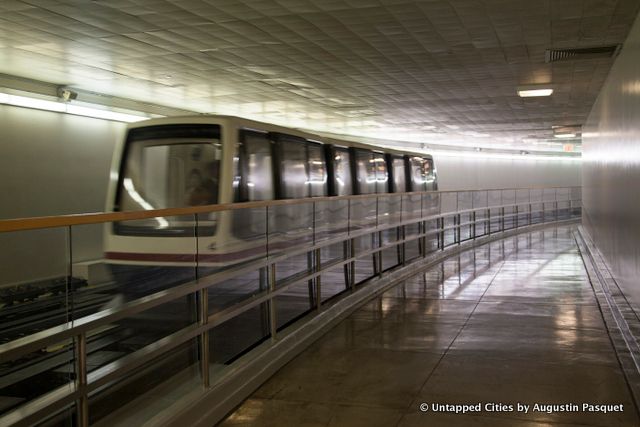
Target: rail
[{"x": 267, "y": 267}]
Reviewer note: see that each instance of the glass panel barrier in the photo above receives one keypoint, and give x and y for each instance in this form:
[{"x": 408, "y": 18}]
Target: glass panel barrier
[
  {"x": 35, "y": 284},
  {"x": 508, "y": 201},
  {"x": 537, "y": 207},
  {"x": 162, "y": 312}
]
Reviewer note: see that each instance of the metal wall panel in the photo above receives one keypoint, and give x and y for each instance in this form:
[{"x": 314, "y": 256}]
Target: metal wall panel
[
  {"x": 477, "y": 173},
  {"x": 611, "y": 169}
]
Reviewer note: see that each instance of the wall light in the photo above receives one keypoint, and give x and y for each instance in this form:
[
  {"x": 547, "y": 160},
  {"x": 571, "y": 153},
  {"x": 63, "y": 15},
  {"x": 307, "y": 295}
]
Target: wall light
[
  {"x": 65, "y": 107},
  {"x": 528, "y": 93},
  {"x": 565, "y": 135}
]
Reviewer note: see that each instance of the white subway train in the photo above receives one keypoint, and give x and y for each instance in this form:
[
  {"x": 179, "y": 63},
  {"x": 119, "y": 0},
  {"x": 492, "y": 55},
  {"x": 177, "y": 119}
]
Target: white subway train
[{"x": 206, "y": 160}]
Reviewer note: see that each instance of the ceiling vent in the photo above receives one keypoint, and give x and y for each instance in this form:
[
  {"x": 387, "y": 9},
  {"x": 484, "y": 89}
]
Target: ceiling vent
[{"x": 555, "y": 55}]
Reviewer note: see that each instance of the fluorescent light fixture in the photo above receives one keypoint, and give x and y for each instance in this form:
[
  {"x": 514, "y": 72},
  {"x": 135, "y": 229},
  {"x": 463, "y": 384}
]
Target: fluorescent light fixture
[
  {"x": 528, "y": 93},
  {"x": 64, "y": 107},
  {"x": 565, "y": 135},
  {"x": 39, "y": 104},
  {"x": 103, "y": 114}
]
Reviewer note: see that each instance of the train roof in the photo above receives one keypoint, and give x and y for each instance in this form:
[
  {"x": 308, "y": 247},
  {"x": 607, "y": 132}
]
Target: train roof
[{"x": 262, "y": 126}]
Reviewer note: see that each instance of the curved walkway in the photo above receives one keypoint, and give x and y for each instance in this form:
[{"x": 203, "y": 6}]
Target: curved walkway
[{"x": 513, "y": 321}]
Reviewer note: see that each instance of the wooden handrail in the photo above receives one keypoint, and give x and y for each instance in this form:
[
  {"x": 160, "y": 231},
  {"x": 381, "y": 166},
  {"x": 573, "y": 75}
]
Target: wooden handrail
[{"x": 36, "y": 223}]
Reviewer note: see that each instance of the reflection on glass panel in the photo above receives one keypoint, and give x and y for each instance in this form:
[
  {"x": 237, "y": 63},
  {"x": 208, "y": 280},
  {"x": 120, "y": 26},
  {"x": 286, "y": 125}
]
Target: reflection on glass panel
[
  {"x": 342, "y": 172},
  {"x": 248, "y": 240},
  {"x": 294, "y": 303},
  {"x": 465, "y": 200},
  {"x": 331, "y": 219},
  {"x": 142, "y": 265},
  {"x": 238, "y": 335},
  {"x": 293, "y": 159},
  {"x": 522, "y": 196},
  {"x": 298, "y": 265},
  {"x": 237, "y": 289},
  {"x": 412, "y": 247},
  {"x": 364, "y": 265},
  {"x": 549, "y": 194},
  {"x": 36, "y": 373},
  {"x": 150, "y": 391},
  {"x": 334, "y": 282},
  {"x": 449, "y": 202},
  {"x": 363, "y": 213},
  {"x": 331, "y": 253},
  {"x": 431, "y": 204},
  {"x": 411, "y": 206},
  {"x": 494, "y": 198},
  {"x": 290, "y": 226},
  {"x": 317, "y": 170},
  {"x": 389, "y": 209},
  {"x": 256, "y": 159},
  {"x": 479, "y": 199}
]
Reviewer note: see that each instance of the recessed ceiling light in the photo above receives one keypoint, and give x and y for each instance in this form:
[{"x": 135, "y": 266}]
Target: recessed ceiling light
[
  {"x": 527, "y": 93},
  {"x": 565, "y": 135}
]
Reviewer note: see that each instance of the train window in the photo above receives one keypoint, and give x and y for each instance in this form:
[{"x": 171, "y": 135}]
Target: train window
[
  {"x": 432, "y": 184},
  {"x": 418, "y": 176},
  {"x": 293, "y": 164},
  {"x": 317, "y": 170},
  {"x": 342, "y": 172},
  {"x": 365, "y": 172},
  {"x": 161, "y": 175},
  {"x": 257, "y": 183},
  {"x": 382, "y": 176},
  {"x": 169, "y": 166},
  {"x": 303, "y": 169},
  {"x": 399, "y": 177}
]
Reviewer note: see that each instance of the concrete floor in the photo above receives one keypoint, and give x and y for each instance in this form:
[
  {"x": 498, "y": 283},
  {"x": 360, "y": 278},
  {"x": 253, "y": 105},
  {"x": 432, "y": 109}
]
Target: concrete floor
[{"x": 512, "y": 322}]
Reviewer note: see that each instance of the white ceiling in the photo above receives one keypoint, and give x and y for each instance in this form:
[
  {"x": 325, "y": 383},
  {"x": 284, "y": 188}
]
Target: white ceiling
[{"x": 437, "y": 71}]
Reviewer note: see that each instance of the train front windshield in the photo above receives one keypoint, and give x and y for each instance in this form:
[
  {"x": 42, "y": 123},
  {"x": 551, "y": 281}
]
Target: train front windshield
[{"x": 168, "y": 167}]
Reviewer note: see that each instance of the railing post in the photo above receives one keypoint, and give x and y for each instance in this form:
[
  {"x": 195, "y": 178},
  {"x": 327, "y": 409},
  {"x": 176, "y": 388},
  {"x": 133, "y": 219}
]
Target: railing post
[
  {"x": 403, "y": 236},
  {"x": 458, "y": 230},
  {"x": 422, "y": 243},
  {"x": 473, "y": 227},
  {"x": 81, "y": 371},
  {"x": 352, "y": 269},
  {"x": 502, "y": 219},
  {"x": 455, "y": 229},
  {"x": 529, "y": 215},
  {"x": 489, "y": 221},
  {"x": 204, "y": 337},
  {"x": 517, "y": 212},
  {"x": 273, "y": 326},
  {"x": 441, "y": 234},
  {"x": 317, "y": 261}
]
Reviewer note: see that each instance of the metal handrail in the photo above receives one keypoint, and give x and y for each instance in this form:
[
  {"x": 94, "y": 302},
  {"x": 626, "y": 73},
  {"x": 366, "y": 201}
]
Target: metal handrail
[{"x": 35, "y": 223}]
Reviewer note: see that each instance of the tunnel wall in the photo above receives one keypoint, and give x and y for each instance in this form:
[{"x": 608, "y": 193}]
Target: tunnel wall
[
  {"x": 611, "y": 173},
  {"x": 51, "y": 164},
  {"x": 474, "y": 173}
]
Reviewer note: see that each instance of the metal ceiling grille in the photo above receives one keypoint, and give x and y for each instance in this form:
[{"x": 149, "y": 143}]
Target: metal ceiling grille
[{"x": 555, "y": 55}]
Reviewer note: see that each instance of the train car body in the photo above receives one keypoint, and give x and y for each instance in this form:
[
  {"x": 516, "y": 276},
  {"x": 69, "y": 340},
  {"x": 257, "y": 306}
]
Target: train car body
[{"x": 206, "y": 160}]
